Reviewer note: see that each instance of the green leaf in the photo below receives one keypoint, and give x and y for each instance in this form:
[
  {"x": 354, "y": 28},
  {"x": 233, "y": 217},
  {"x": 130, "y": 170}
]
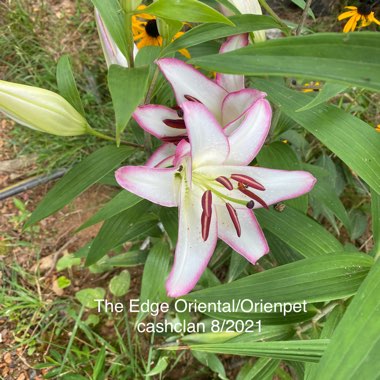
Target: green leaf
[
  {"x": 67, "y": 261},
  {"x": 354, "y": 349},
  {"x": 79, "y": 179},
  {"x": 126, "y": 260},
  {"x": 186, "y": 10},
  {"x": 375, "y": 204},
  {"x": 328, "y": 91},
  {"x": 121, "y": 202},
  {"x": 88, "y": 296},
  {"x": 281, "y": 156},
  {"x": 299, "y": 231},
  {"x": 209, "y": 32},
  {"x": 237, "y": 265},
  {"x": 263, "y": 369},
  {"x": 160, "y": 367},
  {"x": 98, "y": 373},
  {"x": 211, "y": 361},
  {"x": 338, "y": 57},
  {"x": 156, "y": 270},
  {"x": 304, "y": 350},
  {"x": 63, "y": 282},
  {"x": 113, "y": 19},
  {"x": 351, "y": 139},
  {"x": 119, "y": 285},
  {"x": 169, "y": 219},
  {"x": 317, "y": 279},
  {"x": 128, "y": 87},
  {"x": 66, "y": 84},
  {"x": 325, "y": 193},
  {"x": 113, "y": 231}
]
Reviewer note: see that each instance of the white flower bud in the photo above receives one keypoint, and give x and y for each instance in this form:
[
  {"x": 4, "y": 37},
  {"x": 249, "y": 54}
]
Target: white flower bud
[{"x": 41, "y": 109}]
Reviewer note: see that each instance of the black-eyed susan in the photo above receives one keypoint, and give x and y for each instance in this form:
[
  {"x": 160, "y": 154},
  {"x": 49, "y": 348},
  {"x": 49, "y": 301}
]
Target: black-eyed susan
[
  {"x": 360, "y": 16},
  {"x": 311, "y": 87},
  {"x": 146, "y": 33}
]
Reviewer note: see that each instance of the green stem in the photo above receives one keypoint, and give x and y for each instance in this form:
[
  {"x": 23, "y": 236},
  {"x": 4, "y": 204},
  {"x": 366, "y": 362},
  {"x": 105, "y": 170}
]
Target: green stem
[
  {"x": 109, "y": 138},
  {"x": 270, "y": 11},
  {"x": 150, "y": 352}
]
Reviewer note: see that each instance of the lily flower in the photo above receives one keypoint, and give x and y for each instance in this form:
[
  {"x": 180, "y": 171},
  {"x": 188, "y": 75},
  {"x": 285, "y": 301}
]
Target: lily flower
[
  {"x": 208, "y": 179},
  {"x": 41, "y": 109},
  {"x": 226, "y": 97}
]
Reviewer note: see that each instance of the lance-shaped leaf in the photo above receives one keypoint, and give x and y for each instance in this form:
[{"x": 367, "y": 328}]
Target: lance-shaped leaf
[
  {"x": 351, "y": 139},
  {"x": 128, "y": 87},
  {"x": 317, "y": 279},
  {"x": 304, "y": 350},
  {"x": 348, "y": 59},
  {"x": 67, "y": 85},
  {"x": 354, "y": 349},
  {"x": 375, "y": 203},
  {"x": 78, "y": 179},
  {"x": 186, "y": 10},
  {"x": 208, "y": 32}
]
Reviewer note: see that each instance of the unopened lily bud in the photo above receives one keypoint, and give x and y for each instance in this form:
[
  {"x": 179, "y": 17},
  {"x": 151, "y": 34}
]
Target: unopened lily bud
[
  {"x": 111, "y": 52},
  {"x": 41, "y": 109},
  {"x": 248, "y": 7}
]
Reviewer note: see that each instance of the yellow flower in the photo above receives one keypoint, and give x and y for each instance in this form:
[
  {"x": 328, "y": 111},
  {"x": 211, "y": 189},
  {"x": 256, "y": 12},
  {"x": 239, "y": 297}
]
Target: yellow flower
[
  {"x": 311, "y": 87},
  {"x": 362, "y": 15},
  {"x": 145, "y": 31},
  {"x": 377, "y": 129}
]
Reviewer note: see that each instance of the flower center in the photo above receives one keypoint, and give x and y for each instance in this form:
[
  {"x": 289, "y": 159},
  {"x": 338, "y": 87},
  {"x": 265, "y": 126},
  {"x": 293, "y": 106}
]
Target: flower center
[
  {"x": 152, "y": 29},
  {"x": 245, "y": 185},
  {"x": 364, "y": 9}
]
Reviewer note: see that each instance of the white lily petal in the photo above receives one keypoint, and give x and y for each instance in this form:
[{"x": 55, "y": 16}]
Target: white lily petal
[
  {"x": 280, "y": 185},
  {"x": 163, "y": 157},
  {"x": 192, "y": 252},
  {"x": 209, "y": 145},
  {"x": 252, "y": 243},
  {"x": 247, "y": 140},
  {"x": 236, "y": 104},
  {"x": 228, "y": 81},
  {"x": 185, "y": 80},
  {"x": 150, "y": 118},
  {"x": 157, "y": 185},
  {"x": 111, "y": 52}
]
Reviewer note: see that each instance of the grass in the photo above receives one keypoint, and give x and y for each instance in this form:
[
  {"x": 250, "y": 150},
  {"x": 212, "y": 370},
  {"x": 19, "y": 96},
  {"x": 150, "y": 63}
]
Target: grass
[{"x": 33, "y": 36}]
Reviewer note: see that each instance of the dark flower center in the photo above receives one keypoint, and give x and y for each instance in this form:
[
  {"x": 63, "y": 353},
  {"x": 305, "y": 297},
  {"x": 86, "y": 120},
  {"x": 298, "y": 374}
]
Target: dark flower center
[
  {"x": 151, "y": 28},
  {"x": 364, "y": 9}
]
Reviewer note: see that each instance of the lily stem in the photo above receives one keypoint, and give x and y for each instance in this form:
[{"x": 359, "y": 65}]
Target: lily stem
[
  {"x": 265, "y": 5},
  {"x": 303, "y": 18},
  {"x": 109, "y": 138}
]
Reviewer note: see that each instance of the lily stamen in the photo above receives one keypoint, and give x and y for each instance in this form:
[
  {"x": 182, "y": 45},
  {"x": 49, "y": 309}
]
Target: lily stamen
[
  {"x": 249, "y": 193},
  {"x": 225, "y": 182},
  {"x": 250, "y": 205},
  {"x": 205, "y": 222},
  {"x": 192, "y": 99},
  {"x": 234, "y": 218},
  {"x": 246, "y": 180},
  {"x": 207, "y": 202},
  {"x": 175, "y": 123}
]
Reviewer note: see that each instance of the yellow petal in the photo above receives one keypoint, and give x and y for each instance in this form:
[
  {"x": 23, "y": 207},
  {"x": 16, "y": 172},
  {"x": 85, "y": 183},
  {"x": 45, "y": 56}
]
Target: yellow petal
[{"x": 346, "y": 15}]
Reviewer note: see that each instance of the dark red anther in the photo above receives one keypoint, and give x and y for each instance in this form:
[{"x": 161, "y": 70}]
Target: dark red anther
[
  {"x": 249, "y": 193},
  {"x": 207, "y": 202},
  {"x": 225, "y": 182},
  {"x": 205, "y": 221},
  {"x": 245, "y": 180},
  {"x": 234, "y": 218},
  {"x": 175, "y": 123},
  {"x": 250, "y": 205},
  {"x": 191, "y": 98},
  {"x": 174, "y": 139}
]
